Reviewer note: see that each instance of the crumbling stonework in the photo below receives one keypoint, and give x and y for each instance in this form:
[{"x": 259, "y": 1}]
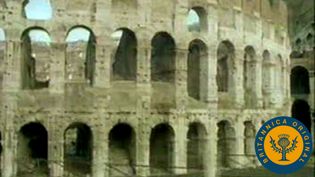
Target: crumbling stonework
[{"x": 167, "y": 100}]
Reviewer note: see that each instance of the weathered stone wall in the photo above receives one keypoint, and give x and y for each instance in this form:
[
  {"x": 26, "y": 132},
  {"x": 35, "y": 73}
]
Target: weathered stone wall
[{"x": 144, "y": 104}]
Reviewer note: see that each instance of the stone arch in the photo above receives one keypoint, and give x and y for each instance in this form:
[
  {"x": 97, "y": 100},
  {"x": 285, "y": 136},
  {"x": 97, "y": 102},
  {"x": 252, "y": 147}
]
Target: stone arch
[
  {"x": 301, "y": 111},
  {"x": 2, "y": 54},
  {"x": 81, "y": 45},
  {"x": 196, "y": 150},
  {"x": 163, "y": 58},
  {"x": 300, "y": 83},
  {"x": 250, "y": 77},
  {"x": 197, "y": 19},
  {"x": 122, "y": 149},
  {"x": 162, "y": 149},
  {"x": 124, "y": 7},
  {"x": 310, "y": 41},
  {"x": 249, "y": 141},
  {"x": 124, "y": 64},
  {"x": 32, "y": 12},
  {"x": 225, "y": 57},
  {"x": 196, "y": 74},
  {"x": 35, "y": 51},
  {"x": 78, "y": 149},
  {"x": 225, "y": 145},
  {"x": 267, "y": 74},
  {"x": 32, "y": 151}
]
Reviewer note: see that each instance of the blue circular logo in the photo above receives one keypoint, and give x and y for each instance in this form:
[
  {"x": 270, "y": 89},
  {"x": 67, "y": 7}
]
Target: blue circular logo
[{"x": 283, "y": 145}]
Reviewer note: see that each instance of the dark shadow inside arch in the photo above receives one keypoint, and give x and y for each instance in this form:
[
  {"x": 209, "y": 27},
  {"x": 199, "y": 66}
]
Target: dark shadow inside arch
[
  {"x": 196, "y": 137},
  {"x": 33, "y": 149},
  {"x": 35, "y": 59},
  {"x": 301, "y": 111},
  {"x": 300, "y": 83},
  {"x": 249, "y": 77},
  {"x": 225, "y": 57},
  {"x": 78, "y": 144},
  {"x": 197, "y": 58},
  {"x": 225, "y": 144},
  {"x": 249, "y": 143},
  {"x": 122, "y": 150},
  {"x": 125, "y": 59},
  {"x": 161, "y": 149},
  {"x": 163, "y": 58}
]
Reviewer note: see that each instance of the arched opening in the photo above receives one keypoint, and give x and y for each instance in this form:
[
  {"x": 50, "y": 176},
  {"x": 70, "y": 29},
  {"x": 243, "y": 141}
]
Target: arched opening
[
  {"x": 300, "y": 83},
  {"x": 267, "y": 74},
  {"x": 35, "y": 70},
  {"x": 196, "y": 148},
  {"x": 163, "y": 58},
  {"x": 80, "y": 55},
  {"x": 310, "y": 41},
  {"x": 2, "y": 55},
  {"x": 161, "y": 149},
  {"x": 249, "y": 141},
  {"x": 225, "y": 145},
  {"x": 302, "y": 112},
  {"x": 225, "y": 56},
  {"x": 250, "y": 77},
  {"x": 197, "y": 57},
  {"x": 32, "y": 150},
  {"x": 124, "y": 7},
  {"x": 122, "y": 150},
  {"x": 124, "y": 63},
  {"x": 298, "y": 44},
  {"x": 197, "y": 20},
  {"x": 78, "y": 144},
  {"x": 37, "y": 9}
]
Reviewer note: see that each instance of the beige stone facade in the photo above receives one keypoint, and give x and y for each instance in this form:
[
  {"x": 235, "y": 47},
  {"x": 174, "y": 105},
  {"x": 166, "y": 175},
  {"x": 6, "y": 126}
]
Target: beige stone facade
[{"x": 169, "y": 100}]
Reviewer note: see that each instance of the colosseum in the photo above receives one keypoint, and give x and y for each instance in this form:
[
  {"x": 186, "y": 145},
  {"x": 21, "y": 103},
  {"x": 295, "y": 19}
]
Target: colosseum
[{"x": 147, "y": 88}]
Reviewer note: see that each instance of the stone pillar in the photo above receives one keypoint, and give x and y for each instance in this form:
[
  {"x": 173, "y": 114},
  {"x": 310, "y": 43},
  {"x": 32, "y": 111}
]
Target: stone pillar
[
  {"x": 210, "y": 154},
  {"x": 180, "y": 147},
  {"x": 238, "y": 155},
  {"x": 12, "y": 75},
  {"x": 57, "y": 68},
  {"x": 258, "y": 84},
  {"x": 100, "y": 153},
  {"x": 143, "y": 151},
  {"x": 236, "y": 72},
  {"x": 210, "y": 92},
  {"x": 102, "y": 66},
  {"x": 181, "y": 93},
  {"x": 56, "y": 149},
  {"x": 9, "y": 138}
]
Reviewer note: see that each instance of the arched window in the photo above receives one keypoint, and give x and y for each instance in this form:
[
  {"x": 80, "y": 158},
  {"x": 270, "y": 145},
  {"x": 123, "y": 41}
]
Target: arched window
[
  {"x": 310, "y": 41},
  {"x": 197, "y": 57},
  {"x": 78, "y": 144},
  {"x": 32, "y": 150},
  {"x": 225, "y": 56},
  {"x": 162, "y": 149},
  {"x": 124, "y": 62},
  {"x": 302, "y": 112},
  {"x": 163, "y": 58},
  {"x": 2, "y": 55},
  {"x": 122, "y": 150},
  {"x": 35, "y": 58},
  {"x": 225, "y": 145},
  {"x": 38, "y": 9},
  {"x": 197, "y": 19},
  {"x": 249, "y": 141},
  {"x": 300, "y": 83},
  {"x": 196, "y": 153},
  {"x": 80, "y": 58}
]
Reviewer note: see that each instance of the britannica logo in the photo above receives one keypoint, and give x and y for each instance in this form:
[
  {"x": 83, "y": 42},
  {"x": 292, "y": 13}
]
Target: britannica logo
[{"x": 283, "y": 145}]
